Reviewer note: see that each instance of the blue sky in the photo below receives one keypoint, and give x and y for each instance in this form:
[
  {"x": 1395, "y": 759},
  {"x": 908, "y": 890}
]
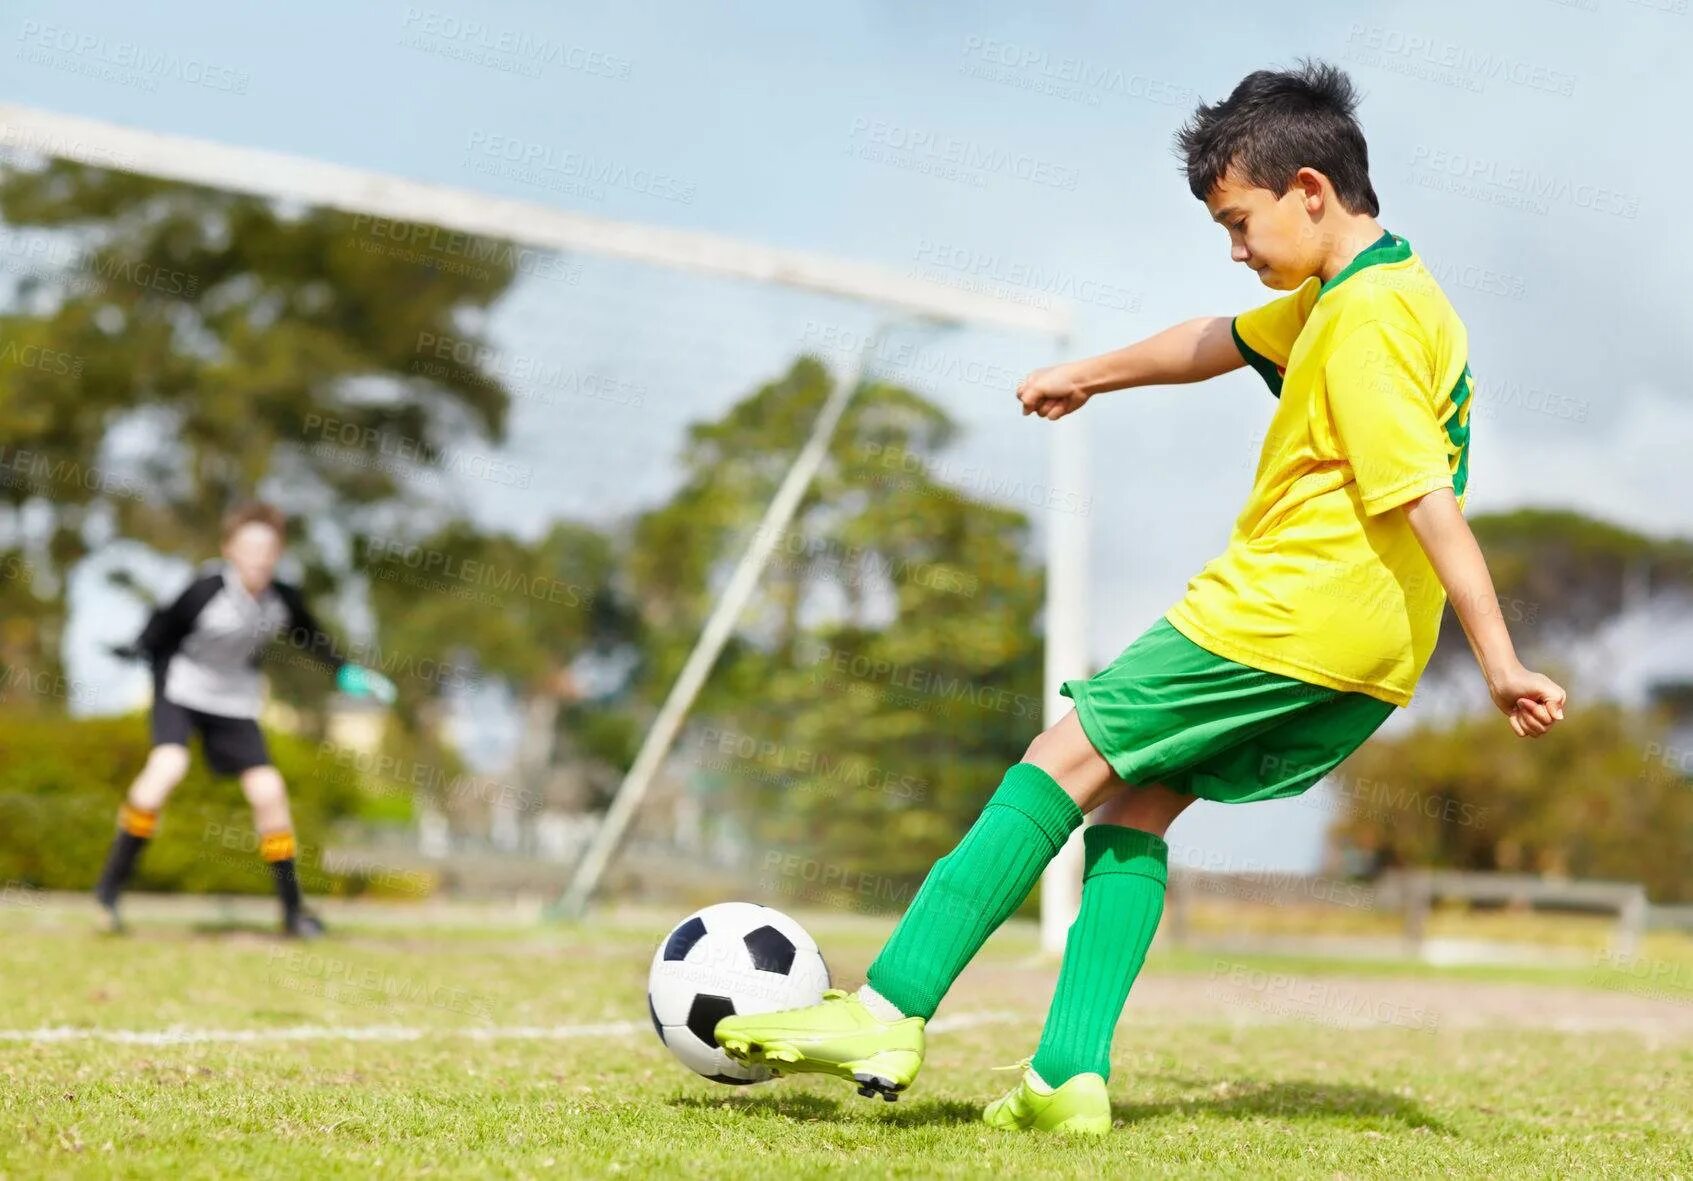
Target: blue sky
[{"x": 1525, "y": 147}]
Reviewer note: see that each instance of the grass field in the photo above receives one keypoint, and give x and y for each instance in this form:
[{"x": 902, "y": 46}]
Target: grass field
[{"x": 494, "y": 1048}]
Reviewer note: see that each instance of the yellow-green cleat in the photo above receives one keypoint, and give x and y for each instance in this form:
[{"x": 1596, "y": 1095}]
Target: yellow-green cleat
[
  {"x": 1078, "y": 1108},
  {"x": 837, "y": 1036}
]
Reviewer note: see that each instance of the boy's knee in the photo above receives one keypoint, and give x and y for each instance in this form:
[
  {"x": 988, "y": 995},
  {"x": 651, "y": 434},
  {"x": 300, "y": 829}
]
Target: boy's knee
[
  {"x": 1149, "y": 809},
  {"x": 1045, "y": 747},
  {"x": 1126, "y": 811},
  {"x": 168, "y": 762},
  {"x": 166, "y": 767},
  {"x": 263, "y": 786}
]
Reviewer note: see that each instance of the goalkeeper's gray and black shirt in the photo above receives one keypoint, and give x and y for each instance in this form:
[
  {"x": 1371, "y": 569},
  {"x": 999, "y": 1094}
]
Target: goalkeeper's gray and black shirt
[{"x": 205, "y": 647}]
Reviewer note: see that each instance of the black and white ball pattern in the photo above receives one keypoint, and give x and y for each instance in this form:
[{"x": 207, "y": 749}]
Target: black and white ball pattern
[{"x": 734, "y": 957}]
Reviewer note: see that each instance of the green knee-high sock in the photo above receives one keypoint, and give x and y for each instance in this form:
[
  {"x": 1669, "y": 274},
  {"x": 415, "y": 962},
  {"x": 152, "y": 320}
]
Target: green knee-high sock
[
  {"x": 1123, "y": 876},
  {"x": 973, "y": 889}
]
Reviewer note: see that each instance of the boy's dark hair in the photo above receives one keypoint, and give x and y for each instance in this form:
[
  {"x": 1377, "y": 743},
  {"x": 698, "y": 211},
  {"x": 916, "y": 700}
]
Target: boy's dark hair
[
  {"x": 254, "y": 510},
  {"x": 1277, "y": 122}
]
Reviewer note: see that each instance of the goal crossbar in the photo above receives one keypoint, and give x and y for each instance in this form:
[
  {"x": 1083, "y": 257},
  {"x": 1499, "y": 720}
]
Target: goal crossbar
[{"x": 265, "y": 173}]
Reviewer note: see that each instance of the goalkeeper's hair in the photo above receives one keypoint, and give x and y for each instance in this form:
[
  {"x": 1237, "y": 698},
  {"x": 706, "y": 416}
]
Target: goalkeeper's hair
[
  {"x": 1275, "y": 123},
  {"x": 248, "y": 512}
]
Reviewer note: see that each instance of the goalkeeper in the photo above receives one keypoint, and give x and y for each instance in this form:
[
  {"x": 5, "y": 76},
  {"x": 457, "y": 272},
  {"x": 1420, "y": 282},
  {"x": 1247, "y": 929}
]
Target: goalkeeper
[{"x": 204, "y": 652}]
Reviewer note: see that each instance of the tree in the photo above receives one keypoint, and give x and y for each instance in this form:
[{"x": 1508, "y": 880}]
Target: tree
[
  {"x": 171, "y": 349},
  {"x": 495, "y": 606},
  {"x": 888, "y": 670},
  {"x": 1562, "y": 576},
  {"x": 1593, "y": 798}
]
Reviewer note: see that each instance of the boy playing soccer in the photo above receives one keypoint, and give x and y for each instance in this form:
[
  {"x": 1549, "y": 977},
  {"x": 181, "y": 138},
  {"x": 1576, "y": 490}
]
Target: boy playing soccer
[
  {"x": 204, "y": 650},
  {"x": 1286, "y": 652}
]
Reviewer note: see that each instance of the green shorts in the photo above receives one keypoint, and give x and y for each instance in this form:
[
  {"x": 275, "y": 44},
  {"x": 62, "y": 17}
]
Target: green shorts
[{"x": 1167, "y": 711}]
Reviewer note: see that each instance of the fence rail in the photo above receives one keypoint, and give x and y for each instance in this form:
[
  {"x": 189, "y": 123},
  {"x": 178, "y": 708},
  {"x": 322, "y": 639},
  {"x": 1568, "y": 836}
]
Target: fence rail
[{"x": 1412, "y": 894}]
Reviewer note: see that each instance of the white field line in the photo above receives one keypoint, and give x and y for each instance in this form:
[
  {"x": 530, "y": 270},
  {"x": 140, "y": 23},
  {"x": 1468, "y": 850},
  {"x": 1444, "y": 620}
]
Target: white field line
[
  {"x": 971, "y": 1020},
  {"x": 180, "y": 1036}
]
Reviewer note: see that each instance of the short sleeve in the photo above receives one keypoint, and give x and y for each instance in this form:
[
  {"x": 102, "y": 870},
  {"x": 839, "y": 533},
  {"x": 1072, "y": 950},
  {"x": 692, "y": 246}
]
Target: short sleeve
[
  {"x": 1265, "y": 335},
  {"x": 1382, "y": 403}
]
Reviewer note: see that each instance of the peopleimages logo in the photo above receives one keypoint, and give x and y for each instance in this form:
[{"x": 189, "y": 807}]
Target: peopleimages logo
[
  {"x": 34, "y": 356},
  {"x": 785, "y": 762},
  {"x": 33, "y": 470},
  {"x": 537, "y": 378},
  {"x": 794, "y": 549},
  {"x": 421, "y": 240},
  {"x": 1476, "y": 277},
  {"x": 1475, "y": 174},
  {"x": 1087, "y": 76},
  {"x": 367, "y": 446},
  {"x": 1463, "y": 65},
  {"x": 513, "y": 50},
  {"x": 952, "y": 157},
  {"x": 913, "y": 679},
  {"x": 123, "y": 62},
  {"x": 962, "y": 265},
  {"x": 926, "y": 362},
  {"x": 912, "y": 469},
  {"x": 30, "y": 142},
  {"x": 551, "y": 167},
  {"x": 518, "y": 583}
]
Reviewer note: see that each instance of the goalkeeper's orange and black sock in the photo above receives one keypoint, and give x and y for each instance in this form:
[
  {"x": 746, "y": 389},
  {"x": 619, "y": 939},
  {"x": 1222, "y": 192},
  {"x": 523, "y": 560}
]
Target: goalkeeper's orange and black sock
[
  {"x": 135, "y": 828},
  {"x": 277, "y": 848}
]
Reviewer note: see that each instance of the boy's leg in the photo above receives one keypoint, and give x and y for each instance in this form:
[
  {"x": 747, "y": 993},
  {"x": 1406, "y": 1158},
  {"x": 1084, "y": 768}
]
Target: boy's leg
[
  {"x": 1124, "y": 870},
  {"x": 236, "y": 746},
  {"x": 876, "y": 1037},
  {"x": 988, "y": 874},
  {"x": 1122, "y": 899},
  {"x": 138, "y": 818},
  {"x": 268, "y": 796}
]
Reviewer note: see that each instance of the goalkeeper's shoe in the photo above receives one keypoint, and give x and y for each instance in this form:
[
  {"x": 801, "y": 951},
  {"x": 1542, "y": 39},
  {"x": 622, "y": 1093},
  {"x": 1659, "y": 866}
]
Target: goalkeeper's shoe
[
  {"x": 302, "y": 924},
  {"x": 111, "y": 922},
  {"x": 837, "y": 1036},
  {"x": 1078, "y": 1108}
]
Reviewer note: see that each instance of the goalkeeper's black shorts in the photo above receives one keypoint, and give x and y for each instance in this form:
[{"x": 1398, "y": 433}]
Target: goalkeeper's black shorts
[{"x": 232, "y": 745}]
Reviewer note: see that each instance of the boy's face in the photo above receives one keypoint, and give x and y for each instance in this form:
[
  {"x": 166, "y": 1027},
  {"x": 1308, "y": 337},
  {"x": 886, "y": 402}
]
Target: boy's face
[
  {"x": 252, "y": 552},
  {"x": 1274, "y": 235}
]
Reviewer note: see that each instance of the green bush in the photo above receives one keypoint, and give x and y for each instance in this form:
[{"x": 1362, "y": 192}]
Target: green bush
[{"x": 62, "y": 780}]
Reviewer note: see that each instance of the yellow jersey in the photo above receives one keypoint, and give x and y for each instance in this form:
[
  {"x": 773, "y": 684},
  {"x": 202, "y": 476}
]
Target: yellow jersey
[{"x": 1321, "y": 580}]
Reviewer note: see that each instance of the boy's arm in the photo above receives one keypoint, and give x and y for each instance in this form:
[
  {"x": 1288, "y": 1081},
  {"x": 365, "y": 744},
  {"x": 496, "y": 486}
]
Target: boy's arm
[
  {"x": 1191, "y": 351},
  {"x": 304, "y": 631},
  {"x": 1534, "y": 703},
  {"x": 168, "y": 626}
]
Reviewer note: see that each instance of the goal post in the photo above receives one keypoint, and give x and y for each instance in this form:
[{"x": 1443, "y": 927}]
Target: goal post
[
  {"x": 1065, "y": 658},
  {"x": 275, "y": 175}
]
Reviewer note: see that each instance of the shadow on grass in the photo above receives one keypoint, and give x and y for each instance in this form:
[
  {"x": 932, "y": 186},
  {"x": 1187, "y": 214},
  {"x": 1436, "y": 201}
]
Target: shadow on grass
[
  {"x": 800, "y": 1106},
  {"x": 1292, "y": 1099},
  {"x": 804, "y": 1107},
  {"x": 226, "y": 928},
  {"x": 154, "y": 931},
  {"x": 1289, "y": 1100}
]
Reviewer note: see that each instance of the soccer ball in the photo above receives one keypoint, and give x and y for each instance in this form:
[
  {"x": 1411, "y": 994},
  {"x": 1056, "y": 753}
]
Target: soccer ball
[{"x": 734, "y": 957}]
